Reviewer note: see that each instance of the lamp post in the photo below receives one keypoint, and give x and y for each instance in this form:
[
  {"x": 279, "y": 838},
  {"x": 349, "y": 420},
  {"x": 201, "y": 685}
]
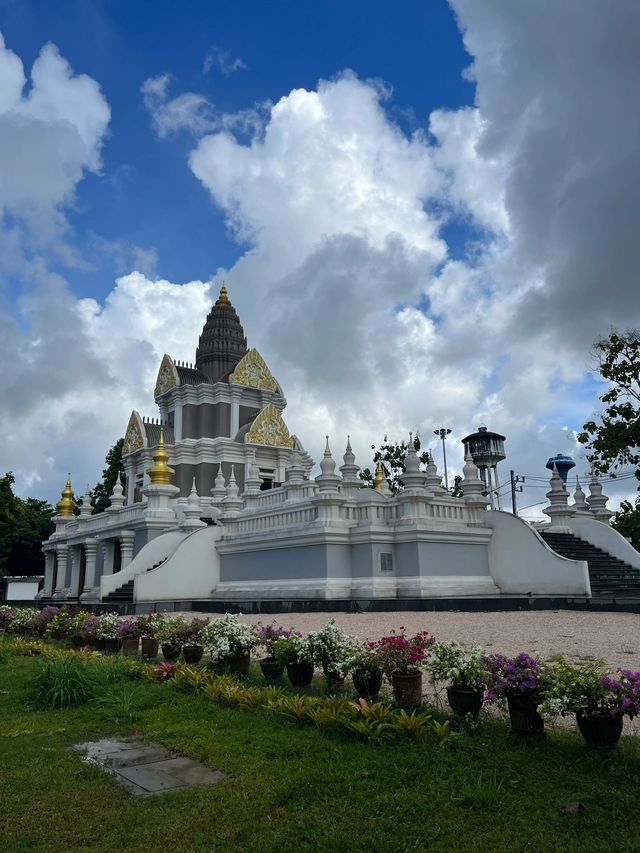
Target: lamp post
[{"x": 443, "y": 433}]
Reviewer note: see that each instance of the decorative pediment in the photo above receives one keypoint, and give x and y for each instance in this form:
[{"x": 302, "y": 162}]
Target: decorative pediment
[
  {"x": 252, "y": 371},
  {"x": 167, "y": 376},
  {"x": 133, "y": 439},
  {"x": 270, "y": 429}
]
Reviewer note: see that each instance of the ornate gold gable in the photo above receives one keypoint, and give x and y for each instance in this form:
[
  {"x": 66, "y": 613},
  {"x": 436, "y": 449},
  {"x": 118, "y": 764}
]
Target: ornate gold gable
[
  {"x": 252, "y": 370},
  {"x": 133, "y": 437},
  {"x": 270, "y": 429},
  {"x": 166, "y": 376}
]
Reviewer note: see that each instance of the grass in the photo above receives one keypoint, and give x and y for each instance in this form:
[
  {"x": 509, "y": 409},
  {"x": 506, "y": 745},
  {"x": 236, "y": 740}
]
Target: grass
[{"x": 296, "y": 787}]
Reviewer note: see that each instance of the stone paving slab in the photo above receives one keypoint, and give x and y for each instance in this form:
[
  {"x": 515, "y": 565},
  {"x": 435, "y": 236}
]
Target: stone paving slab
[{"x": 147, "y": 768}]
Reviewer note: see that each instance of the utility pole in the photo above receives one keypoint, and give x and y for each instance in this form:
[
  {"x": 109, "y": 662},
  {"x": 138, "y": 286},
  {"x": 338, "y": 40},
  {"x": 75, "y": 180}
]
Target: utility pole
[
  {"x": 515, "y": 478},
  {"x": 442, "y": 433}
]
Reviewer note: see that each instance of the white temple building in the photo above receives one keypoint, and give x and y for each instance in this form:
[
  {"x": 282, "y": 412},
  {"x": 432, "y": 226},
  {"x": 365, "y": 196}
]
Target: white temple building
[{"x": 217, "y": 508}]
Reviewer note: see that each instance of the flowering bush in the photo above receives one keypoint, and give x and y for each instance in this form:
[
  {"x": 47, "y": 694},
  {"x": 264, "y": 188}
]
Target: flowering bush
[
  {"x": 364, "y": 658},
  {"x": 129, "y": 629},
  {"x": 226, "y": 636},
  {"x": 107, "y": 626},
  {"x": 152, "y": 625},
  {"x": 404, "y": 655},
  {"x": 91, "y": 627},
  {"x": 42, "y": 618},
  {"x": 588, "y": 689},
  {"x": 189, "y": 633},
  {"x": 522, "y": 675},
  {"x": 20, "y": 621},
  {"x": 268, "y": 633},
  {"x": 461, "y": 669},
  {"x": 332, "y": 648},
  {"x": 292, "y": 649},
  {"x": 6, "y": 616}
]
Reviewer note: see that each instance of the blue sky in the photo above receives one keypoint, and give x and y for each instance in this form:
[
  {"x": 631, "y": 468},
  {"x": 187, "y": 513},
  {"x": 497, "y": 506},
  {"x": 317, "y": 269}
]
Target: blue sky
[
  {"x": 425, "y": 212},
  {"x": 145, "y": 193}
]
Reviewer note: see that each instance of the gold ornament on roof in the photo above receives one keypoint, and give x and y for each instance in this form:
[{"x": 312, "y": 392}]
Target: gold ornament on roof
[
  {"x": 133, "y": 437},
  {"x": 253, "y": 372},
  {"x": 160, "y": 472},
  {"x": 223, "y": 299},
  {"x": 269, "y": 429},
  {"x": 66, "y": 505},
  {"x": 166, "y": 376},
  {"x": 379, "y": 477}
]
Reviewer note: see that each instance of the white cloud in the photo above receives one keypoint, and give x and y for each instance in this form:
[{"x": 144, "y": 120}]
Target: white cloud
[
  {"x": 223, "y": 60},
  {"x": 188, "y": 111}
]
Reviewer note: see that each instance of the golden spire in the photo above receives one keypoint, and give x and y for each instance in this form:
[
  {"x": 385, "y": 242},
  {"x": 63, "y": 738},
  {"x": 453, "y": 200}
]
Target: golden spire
[
  {"x": 160, "y": 473},
  {"x": 65, "y": 505},
  {"x": 377, "y": 482},
  {"x": 223, "y": 299}
]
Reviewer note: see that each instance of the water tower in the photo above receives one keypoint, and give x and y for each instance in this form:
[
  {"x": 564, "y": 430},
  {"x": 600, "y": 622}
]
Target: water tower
[
  {"x": 563, "y": 463},
  {"x": 487, "y": 449}
]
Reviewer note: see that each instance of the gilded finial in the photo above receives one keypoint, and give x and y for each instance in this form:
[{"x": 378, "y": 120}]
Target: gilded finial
[
  {"x": 160, "y": 472},
  {"x": 223, "y": 299},
  {"x": 66, "y": 505},
  {"x": 377, "y": 482}
]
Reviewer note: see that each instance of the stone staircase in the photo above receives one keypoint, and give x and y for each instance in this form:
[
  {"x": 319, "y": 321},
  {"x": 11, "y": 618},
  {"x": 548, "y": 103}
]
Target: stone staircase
[
  {"x": 611, "y": 579},
  {"x": 124, "y": 594}
]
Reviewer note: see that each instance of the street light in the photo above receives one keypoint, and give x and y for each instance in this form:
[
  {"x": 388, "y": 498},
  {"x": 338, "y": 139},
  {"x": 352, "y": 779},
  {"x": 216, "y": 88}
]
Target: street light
[{"x": 443, "y": 433}]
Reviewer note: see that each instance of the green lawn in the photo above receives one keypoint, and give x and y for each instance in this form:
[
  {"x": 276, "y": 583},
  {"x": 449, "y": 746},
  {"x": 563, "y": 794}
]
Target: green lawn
[{"x": 296, "y": 788}]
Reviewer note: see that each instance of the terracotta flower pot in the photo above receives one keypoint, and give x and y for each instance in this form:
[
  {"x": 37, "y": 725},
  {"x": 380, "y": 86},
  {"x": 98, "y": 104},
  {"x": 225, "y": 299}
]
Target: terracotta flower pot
[
  {"x": 367, "y": 684},
  {"x": 465, "y": 702},
  {"x": 149, "y": 647},
  {"x": 525, "y": 719},
  {"x": 130, "y": 646},
  {"x": 171, "y": 651},
  {"x": 407, "y": 689},
  {"x": 600, "y": 731},
  {"x": 192, "y": 654},
  {"x": 271, "y": 669},
  {"x": 300, "y": 674}
]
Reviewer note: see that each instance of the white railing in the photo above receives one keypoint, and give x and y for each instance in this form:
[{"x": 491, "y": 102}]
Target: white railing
[{"x": 258, "y": 523}]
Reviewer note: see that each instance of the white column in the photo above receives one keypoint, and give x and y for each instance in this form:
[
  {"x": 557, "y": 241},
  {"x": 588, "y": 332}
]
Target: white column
[
  {"x": 49, "y": 568},
  {"x": 235, "y": 414},
  {"x": 75, "y": 571},
  {"x": 126, "y": 545},
  {"x": 91, "y": 550},
  {"x": 130, "y": 474},
  {"x": 61, "y": 565},
  {"x": 177, "y": 422}
]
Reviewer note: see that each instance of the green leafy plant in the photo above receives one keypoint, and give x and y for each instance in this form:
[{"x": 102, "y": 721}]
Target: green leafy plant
[
  {"x": 189, "y": 679},
  {"x": 464, "y": 670},
  {"x": 122, "y": 704},
  {"x": 442, "y": 731},
  {"x": 415, "y": 726},
  {"x": 367, "y": 728},
  {"x": 61, "y": 683},
  {"x": 324, "y": 717},
  {"x": 296, "y": 707}
]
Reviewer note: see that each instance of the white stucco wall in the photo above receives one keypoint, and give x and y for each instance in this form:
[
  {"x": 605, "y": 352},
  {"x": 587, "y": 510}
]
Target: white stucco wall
[
  {"x": 191, "y": 572},
  {"x": 151, "y": 554},
  {"x": 605, "y": 538},
  {"x": 520, "y": 561},
  {"x": 21, "y": 590}
]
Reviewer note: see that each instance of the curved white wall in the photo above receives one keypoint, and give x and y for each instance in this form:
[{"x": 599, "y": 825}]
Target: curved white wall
[
  {"x": 606, "y": 538},
  {"x": 191, "y": 572},
  {"x": 150, "y": 555},
  {"x": 521, "y": 562}
]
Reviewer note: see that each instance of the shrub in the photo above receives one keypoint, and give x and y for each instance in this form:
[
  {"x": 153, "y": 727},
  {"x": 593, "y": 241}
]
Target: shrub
[
  {"x": 399, "y": 653},
  {"x": 522, "y": 675},
  {"x": 461, "y": 669},
  {"x": 61, "y": 683},
  {"x": 227, "y": 636}
]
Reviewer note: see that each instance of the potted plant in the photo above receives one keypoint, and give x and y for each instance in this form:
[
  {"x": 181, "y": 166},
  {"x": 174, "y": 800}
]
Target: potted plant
[
  {"x": 272, "y": 669},
  {"x": 295, "y": 653},
  {"x": 169, "y": 632},
  {"x": 331, "y": 648},
  {"x": 465, "y": 674},
  {"x": 188, "y": 634},
  {"x": 230, "y": 642},
  {"x": 90, "y": 632},
  {"x": 129, "y": 631},
  {"x": 76, "y": 627},
  {"x": 599, "y": 700},
  {"x": 58, "y": 626},
  {"x": 151, "y": 629},
  {"x": 41, "y": 620},
  {"x": 106, "y": 630},
  {"x": 522, "y": 681},
  {"x": 401, "y": 659},
  {"x": 364, "y": 664}
]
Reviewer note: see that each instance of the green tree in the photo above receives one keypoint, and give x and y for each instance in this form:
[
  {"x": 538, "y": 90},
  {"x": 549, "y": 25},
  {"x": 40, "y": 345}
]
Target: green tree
[
  {"x": 24, "y": 524},
  {"x": 613, "y": 441},
  {"x": 392, "y": 458},
  {"x": 113, "y": 469},
  {"x": 627, "y": 522}
]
